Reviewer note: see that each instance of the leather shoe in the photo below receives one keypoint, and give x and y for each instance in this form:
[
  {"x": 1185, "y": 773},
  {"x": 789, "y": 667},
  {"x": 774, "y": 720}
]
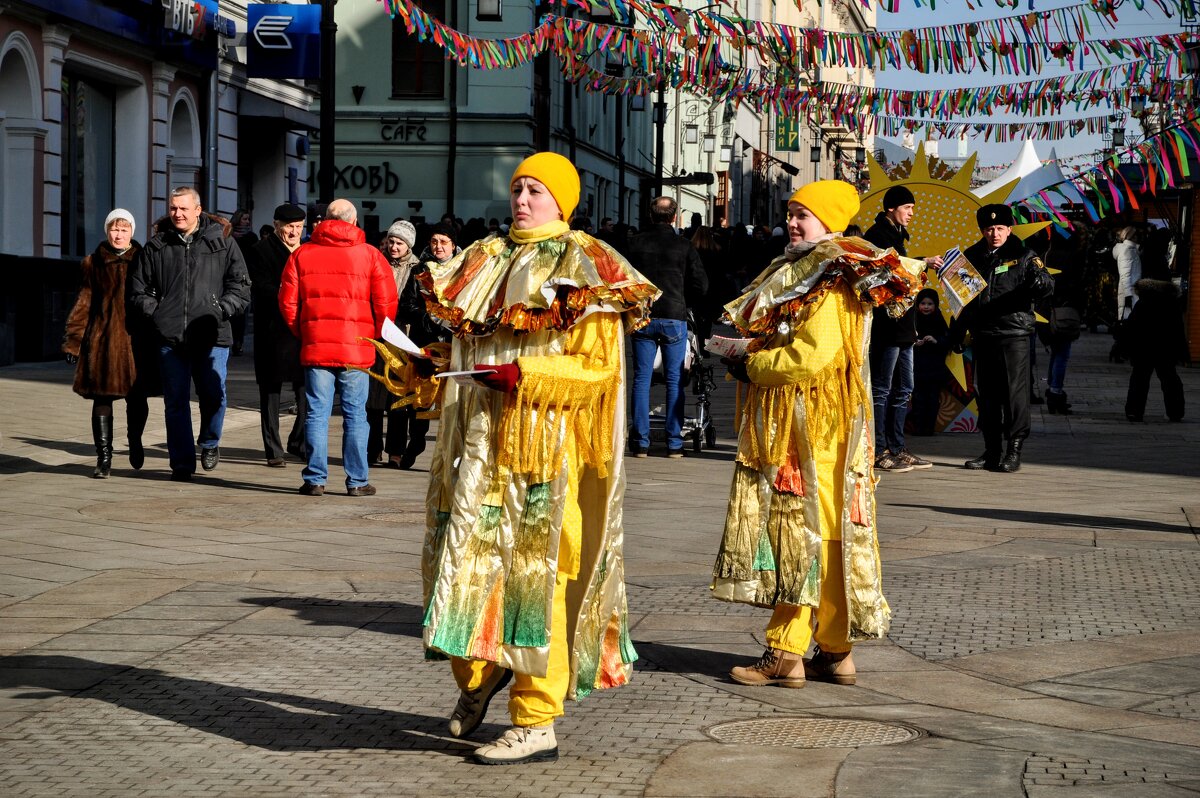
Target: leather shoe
[
  {"x": 774, "y": 667},
  {"x": 828, "y": 667},
  {"x": 277, "y": 462},
  {"x": 361, "y": 490},
  {"x": 209, "y": 458},
  {"x": 985, "y": 460},
  {"x": 406, "y": 461},
  {"x": 312, "y": 489},
  {"x": 519, "y": 745},
  {"x": 472, "y": 705},
  {"x": 1011, "y": 462}
]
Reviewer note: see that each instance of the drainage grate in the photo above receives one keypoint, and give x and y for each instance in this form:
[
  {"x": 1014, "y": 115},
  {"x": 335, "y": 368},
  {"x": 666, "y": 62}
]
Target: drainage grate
[{"x": 812, "y": 732}]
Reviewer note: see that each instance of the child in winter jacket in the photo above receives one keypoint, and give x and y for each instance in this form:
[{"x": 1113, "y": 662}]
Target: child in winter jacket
[{"x": 929, "y": 363}]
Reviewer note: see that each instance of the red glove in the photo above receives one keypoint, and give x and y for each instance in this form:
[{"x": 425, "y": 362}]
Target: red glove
[{"x": 503, "y": 379}]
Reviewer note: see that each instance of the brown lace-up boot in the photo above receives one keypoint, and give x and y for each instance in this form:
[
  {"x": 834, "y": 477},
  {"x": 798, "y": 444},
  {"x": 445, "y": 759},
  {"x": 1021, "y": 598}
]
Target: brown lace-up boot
[
  {"x": 774, "y": 667},
  {"x": 829, "y": 667}
]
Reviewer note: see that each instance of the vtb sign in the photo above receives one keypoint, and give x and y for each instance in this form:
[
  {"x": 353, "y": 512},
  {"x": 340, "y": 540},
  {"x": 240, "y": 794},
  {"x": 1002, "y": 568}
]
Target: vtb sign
[
  {"x": 283, "y": 41},
  {"x": 189, "y": 17}
]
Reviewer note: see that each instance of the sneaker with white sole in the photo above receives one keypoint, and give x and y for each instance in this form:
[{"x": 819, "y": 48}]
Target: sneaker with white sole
[
  {"x": 473, "y": 705},
  {"x": 518, "y": 745},
  {"x": 905, "y": 456},
  {"x": 892, "y": 464}
]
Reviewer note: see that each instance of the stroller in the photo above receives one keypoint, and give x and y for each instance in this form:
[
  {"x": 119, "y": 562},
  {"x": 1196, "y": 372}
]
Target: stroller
[{"x": 698, "y": 374}]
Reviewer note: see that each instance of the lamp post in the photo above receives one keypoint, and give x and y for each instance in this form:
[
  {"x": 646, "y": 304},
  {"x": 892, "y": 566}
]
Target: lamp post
[
  {"x": 660, "y": 123},
  {"x": 325, "y": 167}
]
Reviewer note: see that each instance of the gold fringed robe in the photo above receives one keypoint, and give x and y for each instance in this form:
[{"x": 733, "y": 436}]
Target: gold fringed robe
[
  {"x": 804, "y": 428},
  {"x": 501, "y": 521}
]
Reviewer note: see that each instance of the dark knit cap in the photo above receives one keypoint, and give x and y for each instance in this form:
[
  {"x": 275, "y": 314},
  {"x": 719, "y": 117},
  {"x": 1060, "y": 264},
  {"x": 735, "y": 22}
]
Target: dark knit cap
[
  {"x": 445, "y": 229},
  {"x": 897, "y": 196},
  {"x": 287, "y": 212},
  {"x": 992, "y": 215}
]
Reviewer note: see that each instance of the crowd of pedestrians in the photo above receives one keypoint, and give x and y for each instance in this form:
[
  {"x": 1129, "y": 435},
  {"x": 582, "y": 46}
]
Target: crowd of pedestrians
[{"x": 523, "y": 565}]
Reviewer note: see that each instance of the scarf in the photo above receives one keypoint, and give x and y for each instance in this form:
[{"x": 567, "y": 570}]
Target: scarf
[{"x": 541, "y": 233}]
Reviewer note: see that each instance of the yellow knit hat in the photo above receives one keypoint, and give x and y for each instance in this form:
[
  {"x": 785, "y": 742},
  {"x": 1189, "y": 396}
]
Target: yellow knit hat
[
  {"x": 834, "y": 202},
  {"x": 557, "y": 174}
]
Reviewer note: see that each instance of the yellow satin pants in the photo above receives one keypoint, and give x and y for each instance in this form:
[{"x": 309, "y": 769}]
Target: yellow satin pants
[
  {"x": 791, "y": 626},
  {"x": 532, "y": 700},
  {"x": 538, "y": 700}
]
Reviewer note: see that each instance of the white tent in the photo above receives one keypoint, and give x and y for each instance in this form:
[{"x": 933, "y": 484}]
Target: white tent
[
  {"x": 1049, "y": 174},
  {"x": 1027, "y": 162}
]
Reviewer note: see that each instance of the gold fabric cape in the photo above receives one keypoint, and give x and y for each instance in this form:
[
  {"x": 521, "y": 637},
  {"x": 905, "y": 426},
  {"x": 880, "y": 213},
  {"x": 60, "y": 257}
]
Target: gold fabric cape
[
  {"x": 770, "y": 549},
  {"x": 506, "y": 465}
]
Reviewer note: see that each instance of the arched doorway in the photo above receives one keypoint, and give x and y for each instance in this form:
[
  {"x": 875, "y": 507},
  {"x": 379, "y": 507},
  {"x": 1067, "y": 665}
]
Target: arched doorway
[
  {"x": 183, "y": 157},
  {"x": 22, "y": 133}
]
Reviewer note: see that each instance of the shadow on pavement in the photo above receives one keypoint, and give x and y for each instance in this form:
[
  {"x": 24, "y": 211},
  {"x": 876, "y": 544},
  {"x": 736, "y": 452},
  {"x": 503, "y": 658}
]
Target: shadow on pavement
[
  {"x": 1053, "y": 519},
  {"x": 11, "y": 464},
  {"x": 264, "y": 719},
  {"x": 683, "y": 661},
  {"x": 391, "y": 617},
  {"x": 70, "y": 447}
]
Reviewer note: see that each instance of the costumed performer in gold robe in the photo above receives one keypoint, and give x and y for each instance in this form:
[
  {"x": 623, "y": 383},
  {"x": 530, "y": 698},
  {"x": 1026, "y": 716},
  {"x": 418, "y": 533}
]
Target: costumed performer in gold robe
[
  {"x": 800, "y": 528},
  {"x": 523, "y": 570}
]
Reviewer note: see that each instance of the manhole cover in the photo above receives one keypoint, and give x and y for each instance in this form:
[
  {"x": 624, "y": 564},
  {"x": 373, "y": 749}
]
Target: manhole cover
[
  {"x": 409, "y": 517},
  {"x": 812, "y": 732}
]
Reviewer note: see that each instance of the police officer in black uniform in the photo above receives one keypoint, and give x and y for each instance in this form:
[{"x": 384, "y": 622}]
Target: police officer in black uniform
[{"x": 1000, "y": 321}]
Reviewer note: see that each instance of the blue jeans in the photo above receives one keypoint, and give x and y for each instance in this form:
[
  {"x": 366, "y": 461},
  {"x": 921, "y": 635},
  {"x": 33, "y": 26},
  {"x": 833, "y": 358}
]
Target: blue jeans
[
  {"x": 671, "y": 336},
  {"x": 183, "y": 365},
  {"x": 1056, "y": 375},
  {"x": 891, "y": 388},
  {"x": 319, "y": 386}
]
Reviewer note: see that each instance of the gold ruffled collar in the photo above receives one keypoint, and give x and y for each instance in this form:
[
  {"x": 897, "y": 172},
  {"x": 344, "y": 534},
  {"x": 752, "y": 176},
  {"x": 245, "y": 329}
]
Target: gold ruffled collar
[
  {"x": 550, "y": 283},
  {"x": 801, "y": 276}
]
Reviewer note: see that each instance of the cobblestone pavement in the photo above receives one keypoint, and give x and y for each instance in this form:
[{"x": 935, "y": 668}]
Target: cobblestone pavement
[{"x": 230, "y": 638}]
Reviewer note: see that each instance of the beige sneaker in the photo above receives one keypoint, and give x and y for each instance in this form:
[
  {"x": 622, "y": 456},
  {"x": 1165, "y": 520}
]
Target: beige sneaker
[
  {"x": 829, "y": 667},
  {"x": 473, "y": 706},
  {"x": 518, "y": 745},
  {"x": 774, "y": 667}
]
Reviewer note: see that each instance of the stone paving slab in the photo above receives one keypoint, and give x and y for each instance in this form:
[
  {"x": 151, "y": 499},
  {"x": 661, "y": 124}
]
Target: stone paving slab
[{"x": 229, "y": 638}]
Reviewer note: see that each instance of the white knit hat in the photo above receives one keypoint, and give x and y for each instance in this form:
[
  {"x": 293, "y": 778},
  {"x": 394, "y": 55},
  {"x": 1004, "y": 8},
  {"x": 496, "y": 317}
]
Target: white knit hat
[
  {"x": 121, "y": 213},
  {"x": 404, "y": 230}
]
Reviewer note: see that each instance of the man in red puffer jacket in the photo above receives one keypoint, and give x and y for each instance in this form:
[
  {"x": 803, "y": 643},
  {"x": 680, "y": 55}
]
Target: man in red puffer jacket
[{"x": 335, "y": 292}]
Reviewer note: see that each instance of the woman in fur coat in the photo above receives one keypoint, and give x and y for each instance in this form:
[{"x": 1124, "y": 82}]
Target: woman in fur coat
[{"x": 99, "y": 343}]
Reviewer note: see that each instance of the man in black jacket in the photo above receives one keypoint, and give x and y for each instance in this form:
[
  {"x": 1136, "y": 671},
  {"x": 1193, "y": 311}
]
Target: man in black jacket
[
  {"x": 892, "y": 340},
  {"x": 276, "y": 350},
  {"x": 1000, "y": 320},
  {"x": 670, "y": 262},
  {"x": 189, "y": 281}
]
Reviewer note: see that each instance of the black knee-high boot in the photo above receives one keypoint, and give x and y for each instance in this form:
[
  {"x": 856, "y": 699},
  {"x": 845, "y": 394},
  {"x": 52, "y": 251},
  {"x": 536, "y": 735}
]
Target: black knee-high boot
[
  {"x": 136, "y": 412},
  {"x": 102, "y": 434}
]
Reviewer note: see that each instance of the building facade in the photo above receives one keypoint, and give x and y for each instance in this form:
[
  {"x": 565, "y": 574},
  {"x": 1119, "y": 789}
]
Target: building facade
[
  {"x": 418, "y": 136},
  {"x": 112, "y": 103}
]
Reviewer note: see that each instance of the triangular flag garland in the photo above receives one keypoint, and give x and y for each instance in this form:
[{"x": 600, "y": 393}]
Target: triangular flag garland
[
  {"x": 1161, "y": 162},
  {"x": 690, "y": 49},
  {"x": 787, "y": 51},
  {"x": 1106, "y": 7},
  {"x": 702, "y": 70}
]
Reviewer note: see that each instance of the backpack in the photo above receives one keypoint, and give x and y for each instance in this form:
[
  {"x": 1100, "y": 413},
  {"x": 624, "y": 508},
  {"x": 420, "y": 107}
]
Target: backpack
[{"x": 1065, "y": 323}]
